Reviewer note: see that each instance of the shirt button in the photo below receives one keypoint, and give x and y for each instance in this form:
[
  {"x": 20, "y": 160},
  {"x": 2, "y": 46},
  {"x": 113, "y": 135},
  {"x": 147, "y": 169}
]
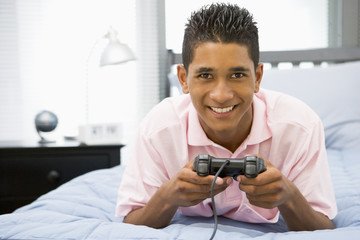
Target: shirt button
[{"x": 248, "y": 211}]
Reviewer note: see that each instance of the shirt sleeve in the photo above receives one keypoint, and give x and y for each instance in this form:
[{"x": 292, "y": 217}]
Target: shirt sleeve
[
  {"x": 311, "y": 173},
  {"x": 143, "y": 175}
]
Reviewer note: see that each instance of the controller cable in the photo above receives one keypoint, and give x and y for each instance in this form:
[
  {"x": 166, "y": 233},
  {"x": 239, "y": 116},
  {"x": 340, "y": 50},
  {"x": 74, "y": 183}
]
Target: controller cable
[{"x": 212, "y": 197}]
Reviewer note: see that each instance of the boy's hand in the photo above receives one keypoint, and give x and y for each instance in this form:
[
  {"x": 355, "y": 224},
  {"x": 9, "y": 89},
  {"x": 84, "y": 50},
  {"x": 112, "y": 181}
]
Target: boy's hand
[
  {"x": 186, "y": 188},
  {"x": 269, "y": 189}
]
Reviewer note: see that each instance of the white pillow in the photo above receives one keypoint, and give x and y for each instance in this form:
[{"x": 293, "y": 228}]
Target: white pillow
[{"x": 332, "y": 92}]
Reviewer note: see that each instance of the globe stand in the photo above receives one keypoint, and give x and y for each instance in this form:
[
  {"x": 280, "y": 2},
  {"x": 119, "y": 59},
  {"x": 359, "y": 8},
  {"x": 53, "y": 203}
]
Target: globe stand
[{"x": 43, "y": 140}]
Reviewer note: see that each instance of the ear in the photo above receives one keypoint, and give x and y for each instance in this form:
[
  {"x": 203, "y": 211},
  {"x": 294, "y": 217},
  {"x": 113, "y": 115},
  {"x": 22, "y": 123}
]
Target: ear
[
  {"x": 258, "y": 74},
  {"x": 181, "y": 73}
]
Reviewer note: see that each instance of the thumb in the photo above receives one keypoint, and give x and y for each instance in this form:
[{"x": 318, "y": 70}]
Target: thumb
[
  {"x": 267, "y": 162},
  {"x": 190, "y": 165}
]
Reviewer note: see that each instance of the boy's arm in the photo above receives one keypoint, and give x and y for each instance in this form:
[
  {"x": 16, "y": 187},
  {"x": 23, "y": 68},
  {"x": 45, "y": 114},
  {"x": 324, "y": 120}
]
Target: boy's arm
[
  {"x": 271, "y": 189},
  {"x": 156, "y": 213},
  {"x": 185, "y": 189},
  {"x": 300, "y": 216}
]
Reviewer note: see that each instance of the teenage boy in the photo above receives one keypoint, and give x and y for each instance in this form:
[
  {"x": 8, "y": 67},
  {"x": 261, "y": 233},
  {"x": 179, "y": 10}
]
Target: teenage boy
[{"x": 224, "y": 113}]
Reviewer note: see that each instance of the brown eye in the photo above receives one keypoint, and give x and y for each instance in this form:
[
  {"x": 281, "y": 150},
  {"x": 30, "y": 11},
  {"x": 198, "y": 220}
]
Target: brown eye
[
  {"x": 237, "y": 75},
  {"x": 205, "y": 75}
]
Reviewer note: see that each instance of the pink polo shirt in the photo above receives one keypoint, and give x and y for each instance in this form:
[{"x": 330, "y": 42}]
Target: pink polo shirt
[{"x": 285, "y": 131}]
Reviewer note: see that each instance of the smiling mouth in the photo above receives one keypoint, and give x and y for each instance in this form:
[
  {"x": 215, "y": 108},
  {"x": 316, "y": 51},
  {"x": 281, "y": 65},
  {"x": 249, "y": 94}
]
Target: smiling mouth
[{"x": 223, "y": 110}]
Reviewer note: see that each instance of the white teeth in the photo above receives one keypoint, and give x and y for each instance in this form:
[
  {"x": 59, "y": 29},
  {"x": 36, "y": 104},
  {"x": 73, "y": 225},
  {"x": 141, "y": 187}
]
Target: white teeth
[{"x": 222, "y": 110}]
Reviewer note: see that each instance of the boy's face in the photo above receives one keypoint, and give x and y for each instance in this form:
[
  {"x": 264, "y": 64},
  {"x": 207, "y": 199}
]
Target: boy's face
[{"x": 221, "y": 81}]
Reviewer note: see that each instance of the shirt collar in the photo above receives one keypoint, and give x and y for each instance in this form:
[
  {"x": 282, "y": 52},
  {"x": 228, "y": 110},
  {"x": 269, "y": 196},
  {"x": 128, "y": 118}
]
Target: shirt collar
[{"x": 259, "y": 130}]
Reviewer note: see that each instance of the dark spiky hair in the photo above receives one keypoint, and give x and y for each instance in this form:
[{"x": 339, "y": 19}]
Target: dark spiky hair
[{"x": 223, "y": 23}]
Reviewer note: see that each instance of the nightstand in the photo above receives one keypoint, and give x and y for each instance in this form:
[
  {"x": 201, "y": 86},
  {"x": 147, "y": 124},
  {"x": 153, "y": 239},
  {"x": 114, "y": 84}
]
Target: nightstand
[{"x": 28, "y": 170}]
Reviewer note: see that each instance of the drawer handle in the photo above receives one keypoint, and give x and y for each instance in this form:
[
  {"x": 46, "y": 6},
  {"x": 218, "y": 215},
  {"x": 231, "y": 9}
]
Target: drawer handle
[{"x": 53, "y": 176}]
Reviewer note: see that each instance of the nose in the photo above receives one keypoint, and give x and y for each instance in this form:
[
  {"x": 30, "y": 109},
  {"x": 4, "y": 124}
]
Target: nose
[{"x": 221, "y": 92}]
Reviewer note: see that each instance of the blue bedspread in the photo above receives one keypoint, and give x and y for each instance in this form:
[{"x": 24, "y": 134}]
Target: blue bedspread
[{"x": 84, "y": 209}]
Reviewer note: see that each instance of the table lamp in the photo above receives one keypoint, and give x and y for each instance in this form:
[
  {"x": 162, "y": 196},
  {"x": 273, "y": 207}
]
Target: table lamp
[{"x": 114, "y": 53}]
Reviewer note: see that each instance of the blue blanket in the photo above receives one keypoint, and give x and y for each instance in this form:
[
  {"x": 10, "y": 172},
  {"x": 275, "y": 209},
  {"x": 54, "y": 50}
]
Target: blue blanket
[{"x": 84, "y": 209}]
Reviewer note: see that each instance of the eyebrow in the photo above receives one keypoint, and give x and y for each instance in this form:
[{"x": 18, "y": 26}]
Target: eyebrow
[
  {"x": 204, "y": 69},
  {"x": 239, "y": 69},
  {"x": 234, "y": 69}
]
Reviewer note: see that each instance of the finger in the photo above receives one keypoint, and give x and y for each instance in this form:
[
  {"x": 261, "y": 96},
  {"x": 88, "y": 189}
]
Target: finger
[
  {"x": 228, "y": 180},
  {"x": 192, "y": 199},
  {"x": 271, "y": 188},
  {"x": 194, "y": 191},
  {"x": 190, "y": 165},
  {"x": 270, "y": 175},
  {"x": 192, "y": 178},
  {"x": 199, "y": 199},
  {"x": 186, "y": 174},
  {"x": 271, "y": 197},
  {"x": 264, "y": 204},
  {"x": 189, "y": 175},
  {"x": 208, "y": 195},
  {"x": 267, "y": 162},
  {"x": 197, "y": 184},
  {"x": 225, "y": 182},
  {"x": 266, "y": 200}
]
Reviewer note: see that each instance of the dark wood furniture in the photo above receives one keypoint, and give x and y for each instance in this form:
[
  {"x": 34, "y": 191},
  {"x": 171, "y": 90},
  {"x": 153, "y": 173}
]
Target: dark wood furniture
[{"x": 28, "y": 170}]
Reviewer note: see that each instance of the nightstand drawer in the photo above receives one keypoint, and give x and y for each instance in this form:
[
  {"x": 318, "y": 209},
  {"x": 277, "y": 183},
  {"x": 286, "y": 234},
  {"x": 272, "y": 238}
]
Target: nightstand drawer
[
  {"x": 36, "y": 175},
  {"x": 29, "y": 170}
]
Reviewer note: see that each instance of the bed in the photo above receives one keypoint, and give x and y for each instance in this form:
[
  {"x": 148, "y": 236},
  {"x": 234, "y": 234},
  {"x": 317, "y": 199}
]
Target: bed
[{"x": 84, "y": 207}]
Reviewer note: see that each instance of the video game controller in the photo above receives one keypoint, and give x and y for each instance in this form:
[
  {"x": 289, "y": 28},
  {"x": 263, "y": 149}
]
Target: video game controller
[{"x": 250, "y": 166}]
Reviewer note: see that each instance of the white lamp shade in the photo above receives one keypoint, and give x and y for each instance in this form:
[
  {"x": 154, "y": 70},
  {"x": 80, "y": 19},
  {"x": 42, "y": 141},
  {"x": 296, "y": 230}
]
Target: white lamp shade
[{"x": 115, "y": 52}]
